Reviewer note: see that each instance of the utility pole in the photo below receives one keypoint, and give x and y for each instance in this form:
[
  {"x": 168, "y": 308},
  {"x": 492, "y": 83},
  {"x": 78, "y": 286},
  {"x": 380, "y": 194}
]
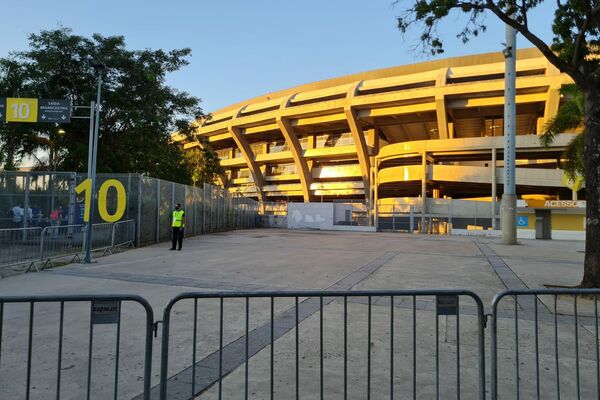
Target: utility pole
[
  {"x": 99, "y": 67},
  {"x": 509, "y": 196}
]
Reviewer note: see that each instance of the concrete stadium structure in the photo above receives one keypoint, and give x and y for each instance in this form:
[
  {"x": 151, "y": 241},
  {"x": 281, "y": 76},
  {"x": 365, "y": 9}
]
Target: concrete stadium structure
[{"x": 427, "y": 130}]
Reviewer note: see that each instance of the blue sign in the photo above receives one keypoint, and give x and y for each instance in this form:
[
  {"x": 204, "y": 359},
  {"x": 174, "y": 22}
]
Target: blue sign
[{"x": 522, "y": 221}]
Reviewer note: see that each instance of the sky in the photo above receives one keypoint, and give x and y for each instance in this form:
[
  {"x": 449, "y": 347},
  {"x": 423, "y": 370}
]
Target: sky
[{"x": 242, "y": 49}]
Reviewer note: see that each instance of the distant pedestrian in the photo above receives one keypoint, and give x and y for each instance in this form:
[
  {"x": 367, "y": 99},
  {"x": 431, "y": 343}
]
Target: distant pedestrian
[
  {"x": 17, "y": 214},
  {"x": 55, "y": 221},
  {"x": 36, "y": 216},
  {"x": 178, "y": 225}
]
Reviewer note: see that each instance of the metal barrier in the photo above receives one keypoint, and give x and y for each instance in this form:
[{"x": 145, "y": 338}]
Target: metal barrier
[
  {"x": 546, "y": 351},
  {"x": 123, "y": 234},
  {"x": 314, "y": 344},
  {"x": 31, "y": 245},
  {"x": 356, "y": 345},
  {"x": 61, "y": 241},
  {"x": 45, "y": 379},
  {"x": 20, "y": 246},
  {"x": 102, "y": 237}
]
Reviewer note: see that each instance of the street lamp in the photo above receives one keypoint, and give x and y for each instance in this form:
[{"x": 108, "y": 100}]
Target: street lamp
[{"x": 99, "y": 68}]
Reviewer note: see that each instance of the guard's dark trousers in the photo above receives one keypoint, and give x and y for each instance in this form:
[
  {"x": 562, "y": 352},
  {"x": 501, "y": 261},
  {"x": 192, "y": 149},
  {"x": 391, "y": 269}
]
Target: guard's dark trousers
[{"x": 177, "y": 237}]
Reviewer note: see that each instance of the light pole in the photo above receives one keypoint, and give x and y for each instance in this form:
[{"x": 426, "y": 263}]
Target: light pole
[
  {"x": 99, "y": 68},
  {"x": 509, "y": 196}
]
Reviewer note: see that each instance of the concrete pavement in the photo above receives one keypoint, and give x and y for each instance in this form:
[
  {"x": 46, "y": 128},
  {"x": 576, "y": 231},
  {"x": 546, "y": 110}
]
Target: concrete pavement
[{"x": 269, "y": 259}]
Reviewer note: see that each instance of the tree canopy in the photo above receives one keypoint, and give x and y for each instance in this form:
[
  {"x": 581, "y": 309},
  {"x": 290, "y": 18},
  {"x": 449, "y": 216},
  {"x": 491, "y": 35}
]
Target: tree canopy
[{"x": 138, "y": 113}]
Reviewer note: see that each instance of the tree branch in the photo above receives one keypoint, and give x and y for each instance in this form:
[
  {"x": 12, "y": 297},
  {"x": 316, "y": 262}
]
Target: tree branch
[
  {"x": 578, "y": 41},
  {"x": 537, "y": 42}
]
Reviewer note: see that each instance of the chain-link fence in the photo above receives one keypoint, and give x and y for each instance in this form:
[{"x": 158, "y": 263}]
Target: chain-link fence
[{"x": 44, "y": 199}]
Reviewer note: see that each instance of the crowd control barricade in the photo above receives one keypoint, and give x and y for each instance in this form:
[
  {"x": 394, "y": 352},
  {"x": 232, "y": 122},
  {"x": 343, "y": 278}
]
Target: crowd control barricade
[
  {"x": 48, "y": 351},
  {"x": 321, "y": 344},
  {"x": 20, "y": 246},
  {"x": 61, "y": 241},
  {"x": 123, "y": 234},
  {"x": 544, "y": 344},
  {"x": 101, "y": 237}
]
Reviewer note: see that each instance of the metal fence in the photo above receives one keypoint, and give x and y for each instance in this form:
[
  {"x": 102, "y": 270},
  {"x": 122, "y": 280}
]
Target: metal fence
[
  {"x": 36, "y": 245},
  {"x": 544, "y": 344},
  {"x": 88, "y": 355},
  {"x": 50, "y": 199},
  {"x": 320, "y": 344},
  {"x": 20, "y": 246},
  {"x": 309, "y": 344}
]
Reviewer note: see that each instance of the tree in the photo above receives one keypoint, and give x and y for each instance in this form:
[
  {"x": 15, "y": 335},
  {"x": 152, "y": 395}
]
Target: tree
[
  {"x": 575, "y": 50},
  {"x": 569, "y": 117},
  {"x": 139, "y": 110},
  {"x": 202, "y": 162}
]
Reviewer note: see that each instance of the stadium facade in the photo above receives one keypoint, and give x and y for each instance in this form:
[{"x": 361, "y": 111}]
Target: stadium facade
[{"x": 427, "y": 130}]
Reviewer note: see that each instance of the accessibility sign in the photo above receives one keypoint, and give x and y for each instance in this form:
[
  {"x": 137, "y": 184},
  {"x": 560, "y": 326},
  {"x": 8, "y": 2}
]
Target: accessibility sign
[
  {"x": 522, "y": 220},
  {"x": 54, "y": 111},
  {"x": 106, "y": 311},
  {"x": 17, "y": 109}
]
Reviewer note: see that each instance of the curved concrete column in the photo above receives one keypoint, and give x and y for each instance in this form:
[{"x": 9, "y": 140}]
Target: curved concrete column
[
  {"x": 359, "y": 140},
  {"x": 248, "y": 154},
  {"x": 292, "y": 140},
  {"x": 440, "y": 104}
]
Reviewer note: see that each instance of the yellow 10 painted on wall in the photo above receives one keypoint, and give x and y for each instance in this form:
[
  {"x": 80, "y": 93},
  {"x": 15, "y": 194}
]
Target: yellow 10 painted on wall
[{"x": 86, "y": 187}]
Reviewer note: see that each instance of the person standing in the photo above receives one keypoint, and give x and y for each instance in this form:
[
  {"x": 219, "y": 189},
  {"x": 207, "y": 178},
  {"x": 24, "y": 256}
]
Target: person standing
[
  {"x": 17, "y": 216},
  {"x": 178, "y": 225}
]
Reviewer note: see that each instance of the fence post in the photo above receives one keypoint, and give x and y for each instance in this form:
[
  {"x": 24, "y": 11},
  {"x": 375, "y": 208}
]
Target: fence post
[
  {"x": 158, "y": 211},
  {"x": 43, "y": 235},
  {"x": 411, "y": 222},
  {"x": 203, "y": 230},
  {"x": 26, "y": 205},
  {"x": 194, "y": 197},
  {"x": 393, "y": 217},
  {"x": 127, "y": 193},
  {"x": 139, "y": 212}
]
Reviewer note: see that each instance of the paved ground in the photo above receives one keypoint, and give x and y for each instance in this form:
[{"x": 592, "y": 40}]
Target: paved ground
[{"x": 269, "y": 259}]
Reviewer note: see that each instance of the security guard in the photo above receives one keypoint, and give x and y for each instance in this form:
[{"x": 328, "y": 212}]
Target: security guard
[{"x": 178, "y": 225}]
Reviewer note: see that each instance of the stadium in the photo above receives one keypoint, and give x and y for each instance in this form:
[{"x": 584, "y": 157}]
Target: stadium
[{"x": 395, "y": 136}]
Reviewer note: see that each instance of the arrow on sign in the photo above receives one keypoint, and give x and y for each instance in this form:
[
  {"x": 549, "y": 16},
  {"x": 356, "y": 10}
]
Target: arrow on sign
[
  {"x": 43, "y": 116},
  {"x": 63, "y": 117}
]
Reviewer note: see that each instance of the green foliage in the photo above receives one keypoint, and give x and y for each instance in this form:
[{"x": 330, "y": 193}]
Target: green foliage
[
  {"x": 139, "y": 110},
  {"x": 203, "y": 165},
  {"x": 569, "y": 116}
]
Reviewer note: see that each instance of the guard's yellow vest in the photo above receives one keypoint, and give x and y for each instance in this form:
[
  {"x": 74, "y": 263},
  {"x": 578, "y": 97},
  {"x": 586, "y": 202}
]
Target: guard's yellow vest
[{"x": 177, "y": 219}]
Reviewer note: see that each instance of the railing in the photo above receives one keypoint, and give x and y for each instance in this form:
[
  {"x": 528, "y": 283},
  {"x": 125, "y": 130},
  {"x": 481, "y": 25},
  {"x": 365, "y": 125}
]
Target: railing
[
  {"x": 22, "y": 246},
  {"x": 83, "y": 364},
  {"x": 123, "y": 234},
  {"x": 547, "y": 343},
  {"x": 300, "y": 322},
  {"x": 19, "y": 246},
  {"x": 61, "y": 241},
  {"x": 425, "y": 343}
]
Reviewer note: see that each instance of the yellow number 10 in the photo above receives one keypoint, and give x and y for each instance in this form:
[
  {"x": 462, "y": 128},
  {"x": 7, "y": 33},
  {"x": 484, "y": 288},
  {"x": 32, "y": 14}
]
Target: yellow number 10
[{"x": 86, "y": 186}]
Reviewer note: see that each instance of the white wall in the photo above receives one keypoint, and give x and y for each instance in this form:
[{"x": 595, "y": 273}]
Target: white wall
[{"x": 310, "y": 216}]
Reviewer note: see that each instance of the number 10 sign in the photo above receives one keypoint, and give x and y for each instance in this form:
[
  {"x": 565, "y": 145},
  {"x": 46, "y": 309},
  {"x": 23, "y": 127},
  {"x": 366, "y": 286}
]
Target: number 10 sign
[{"x": 13, "y": 109}]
